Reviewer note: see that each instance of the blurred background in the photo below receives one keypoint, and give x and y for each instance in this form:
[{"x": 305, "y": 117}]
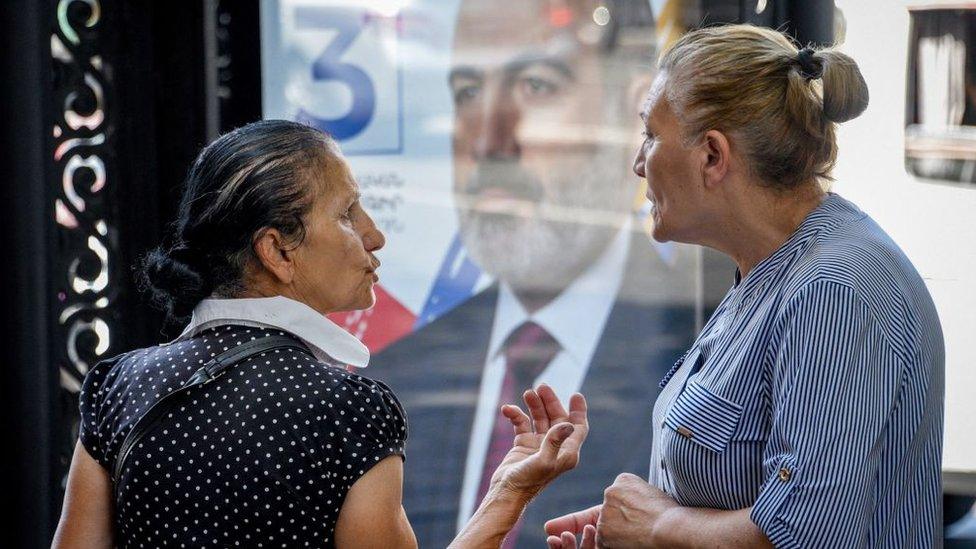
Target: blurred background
[{"x": 492, "y": 142}]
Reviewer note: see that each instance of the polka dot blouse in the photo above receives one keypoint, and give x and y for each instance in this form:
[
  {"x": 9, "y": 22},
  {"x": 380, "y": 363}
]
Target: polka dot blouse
[{"x": 261, "y": 457}]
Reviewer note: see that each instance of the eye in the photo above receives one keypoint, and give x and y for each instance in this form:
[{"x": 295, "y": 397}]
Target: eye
[
  {"x": 347, "y": 215},
  {"x": 535, "y": 87},
  {"x": 538, "y": 86},
  {"x": 465, "y": 94}
]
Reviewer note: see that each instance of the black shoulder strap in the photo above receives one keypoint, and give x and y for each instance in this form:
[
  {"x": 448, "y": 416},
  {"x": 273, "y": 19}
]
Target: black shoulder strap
[{"x": 208, "y": 372}]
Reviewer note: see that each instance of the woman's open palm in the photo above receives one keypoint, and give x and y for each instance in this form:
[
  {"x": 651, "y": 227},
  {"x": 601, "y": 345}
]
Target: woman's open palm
[{"x": 546, "y": 444}]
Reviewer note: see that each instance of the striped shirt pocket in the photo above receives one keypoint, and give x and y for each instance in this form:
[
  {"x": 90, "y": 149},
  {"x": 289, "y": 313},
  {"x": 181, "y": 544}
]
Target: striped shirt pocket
[{"x": 704, "y": 417}]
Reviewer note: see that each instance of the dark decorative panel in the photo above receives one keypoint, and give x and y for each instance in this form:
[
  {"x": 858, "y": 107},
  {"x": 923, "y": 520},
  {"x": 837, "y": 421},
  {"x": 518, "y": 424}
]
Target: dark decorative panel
[{"x": 85, "y": 270}]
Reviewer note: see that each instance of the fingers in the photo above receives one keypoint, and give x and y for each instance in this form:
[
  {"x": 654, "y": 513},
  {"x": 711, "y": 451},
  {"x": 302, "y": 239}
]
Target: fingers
[
  {"x": 589, "y": 537},
  {"x": 577, "y": 410},
  {"x": 567, "y": 540},
  {"x": 561, "y": 542},
  {"x": 540, "y": 419},
  {"x": 555, "y": 437},
  {"x": 629, "y": 479},
  {"x": 554, "y": 408},
  {"x": 578, "y": 417},
  {"x": 520, "y": 421},
  {"x": 546, "y": 410},
  {"x": 574, "y": 522}
]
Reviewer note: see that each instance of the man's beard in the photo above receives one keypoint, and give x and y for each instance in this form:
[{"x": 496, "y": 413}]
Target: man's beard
[{"x": 531, "y": 243}]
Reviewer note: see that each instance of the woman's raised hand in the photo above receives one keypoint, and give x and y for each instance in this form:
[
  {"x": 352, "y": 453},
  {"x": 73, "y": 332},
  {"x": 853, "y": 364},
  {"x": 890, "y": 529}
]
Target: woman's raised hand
[{"x": 546, "y": 444}]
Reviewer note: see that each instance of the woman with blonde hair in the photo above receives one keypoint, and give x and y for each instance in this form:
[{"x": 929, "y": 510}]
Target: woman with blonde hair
[{"x": 808, "y": 412}]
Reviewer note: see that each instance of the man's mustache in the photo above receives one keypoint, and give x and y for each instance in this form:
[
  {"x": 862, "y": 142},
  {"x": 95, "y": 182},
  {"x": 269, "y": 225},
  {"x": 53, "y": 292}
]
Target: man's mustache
[
  {"x": 507, "y": 176},
  {"x": 526, "y": 198}
]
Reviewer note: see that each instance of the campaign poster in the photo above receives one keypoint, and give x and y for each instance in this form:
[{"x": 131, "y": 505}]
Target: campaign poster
[{"x": 493, "y": 143}]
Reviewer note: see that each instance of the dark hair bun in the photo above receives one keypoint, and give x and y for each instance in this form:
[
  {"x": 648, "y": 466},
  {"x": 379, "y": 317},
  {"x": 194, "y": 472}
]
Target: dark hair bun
[
  {"x": 248, "y": 179},
  {"x": 173, "y": 283}
]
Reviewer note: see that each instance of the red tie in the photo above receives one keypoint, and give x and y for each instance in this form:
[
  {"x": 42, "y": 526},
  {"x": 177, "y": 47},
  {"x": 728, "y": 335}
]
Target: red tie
[{"x": 528, "y": 350}]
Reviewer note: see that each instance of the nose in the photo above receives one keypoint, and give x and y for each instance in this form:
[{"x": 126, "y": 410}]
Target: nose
[
  {"x": 639, "y": 161},
  {"x": 497, "y": 138},
  {"x": 373, "y": 238}
]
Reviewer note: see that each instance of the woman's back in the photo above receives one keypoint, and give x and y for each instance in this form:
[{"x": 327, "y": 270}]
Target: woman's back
[
  {"x": 270, "y": 239},
  {"x": 263, "y": 455}
]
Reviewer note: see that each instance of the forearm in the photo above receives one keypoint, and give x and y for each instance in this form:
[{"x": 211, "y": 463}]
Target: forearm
[
  {"x": 494, "y": 518},
  {"x": 700, "y": 527}
]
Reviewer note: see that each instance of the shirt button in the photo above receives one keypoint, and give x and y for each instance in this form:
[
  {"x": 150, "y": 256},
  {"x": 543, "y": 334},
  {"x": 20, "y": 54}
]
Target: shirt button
[
  {"x": 784, "y": 474},
  {"x": 685, "y": 432}
]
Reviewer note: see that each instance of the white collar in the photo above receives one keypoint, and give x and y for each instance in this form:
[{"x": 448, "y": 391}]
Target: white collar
[
  {"x": 577, "y": 316},
  {"x": 327, "y": 341}
]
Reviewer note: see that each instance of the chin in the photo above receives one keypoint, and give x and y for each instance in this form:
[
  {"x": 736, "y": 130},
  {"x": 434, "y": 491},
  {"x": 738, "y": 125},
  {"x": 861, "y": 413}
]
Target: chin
[
  {"x": 660, "y": 232},
  {"x": 666, "y": 234},
  {"x": 368, "y": 301},
  {"x": 358, "y": 305}
]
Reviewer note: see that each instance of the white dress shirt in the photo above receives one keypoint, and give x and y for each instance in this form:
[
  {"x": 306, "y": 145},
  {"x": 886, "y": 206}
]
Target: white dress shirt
[
  {"x": 327, "y": 341},
  {"x": 575, "y": 319}
]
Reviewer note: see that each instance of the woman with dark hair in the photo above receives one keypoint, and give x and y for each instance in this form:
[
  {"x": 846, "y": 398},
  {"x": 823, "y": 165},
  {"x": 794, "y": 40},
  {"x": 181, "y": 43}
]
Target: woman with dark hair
[
  {"x": 248, "y": 429},
  {"x": 808, "y": 412}
]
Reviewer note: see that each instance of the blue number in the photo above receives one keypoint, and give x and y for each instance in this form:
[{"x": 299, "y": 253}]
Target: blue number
[{"x": 329, "y": 67}]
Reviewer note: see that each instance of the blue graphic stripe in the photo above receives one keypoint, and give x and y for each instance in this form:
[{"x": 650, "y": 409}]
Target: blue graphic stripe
[{"x": 455, "y": 283}]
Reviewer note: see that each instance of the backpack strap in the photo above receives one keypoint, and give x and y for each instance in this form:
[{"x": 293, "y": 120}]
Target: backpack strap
[{"x": 211, "y": 370}]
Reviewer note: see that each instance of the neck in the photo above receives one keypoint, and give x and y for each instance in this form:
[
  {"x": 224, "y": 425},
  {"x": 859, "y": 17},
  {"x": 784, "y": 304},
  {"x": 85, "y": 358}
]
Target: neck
[
  {"x": 759, "y": 221},
  {"x": 262, "y": 284}
]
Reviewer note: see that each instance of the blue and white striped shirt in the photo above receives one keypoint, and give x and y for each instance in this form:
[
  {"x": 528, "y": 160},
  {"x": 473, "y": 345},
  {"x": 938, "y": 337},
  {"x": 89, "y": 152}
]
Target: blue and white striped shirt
[{"x": 814, "y": 395}]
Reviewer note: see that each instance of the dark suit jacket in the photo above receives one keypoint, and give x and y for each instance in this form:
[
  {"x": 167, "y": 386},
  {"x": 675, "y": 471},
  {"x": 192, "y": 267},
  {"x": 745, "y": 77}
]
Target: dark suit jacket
[{"x": 436, "y": 372}]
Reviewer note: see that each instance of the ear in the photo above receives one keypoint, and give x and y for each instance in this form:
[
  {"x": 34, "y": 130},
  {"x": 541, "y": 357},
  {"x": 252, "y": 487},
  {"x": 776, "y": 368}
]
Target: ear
[
  {"x": 717, "y": 152},
  {"x": 274, "y": 256}
]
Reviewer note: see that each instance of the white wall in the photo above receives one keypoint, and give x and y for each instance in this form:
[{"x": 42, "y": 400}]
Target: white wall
[{"x": 935, "y": 223}]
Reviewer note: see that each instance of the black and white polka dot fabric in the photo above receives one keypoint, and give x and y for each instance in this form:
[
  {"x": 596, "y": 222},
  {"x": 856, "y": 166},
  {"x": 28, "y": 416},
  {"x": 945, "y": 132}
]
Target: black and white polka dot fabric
[{"x": 262, "y": 457}]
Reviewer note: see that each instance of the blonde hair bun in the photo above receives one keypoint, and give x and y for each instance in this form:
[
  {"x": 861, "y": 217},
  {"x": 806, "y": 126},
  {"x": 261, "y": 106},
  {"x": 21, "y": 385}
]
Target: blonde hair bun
[
  {"x": 778, "y": 104},
  {"x": 845, "y": 93}
]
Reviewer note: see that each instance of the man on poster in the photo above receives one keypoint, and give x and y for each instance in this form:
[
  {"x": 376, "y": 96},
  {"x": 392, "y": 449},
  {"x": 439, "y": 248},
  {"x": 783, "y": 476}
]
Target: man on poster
[{"x": 546, "y": 96}]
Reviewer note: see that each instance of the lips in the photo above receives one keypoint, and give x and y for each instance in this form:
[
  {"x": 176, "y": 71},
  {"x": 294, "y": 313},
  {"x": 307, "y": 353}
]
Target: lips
[
  {"x": 371, "y": 270},
  {"x": 650, "y": 197}
]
